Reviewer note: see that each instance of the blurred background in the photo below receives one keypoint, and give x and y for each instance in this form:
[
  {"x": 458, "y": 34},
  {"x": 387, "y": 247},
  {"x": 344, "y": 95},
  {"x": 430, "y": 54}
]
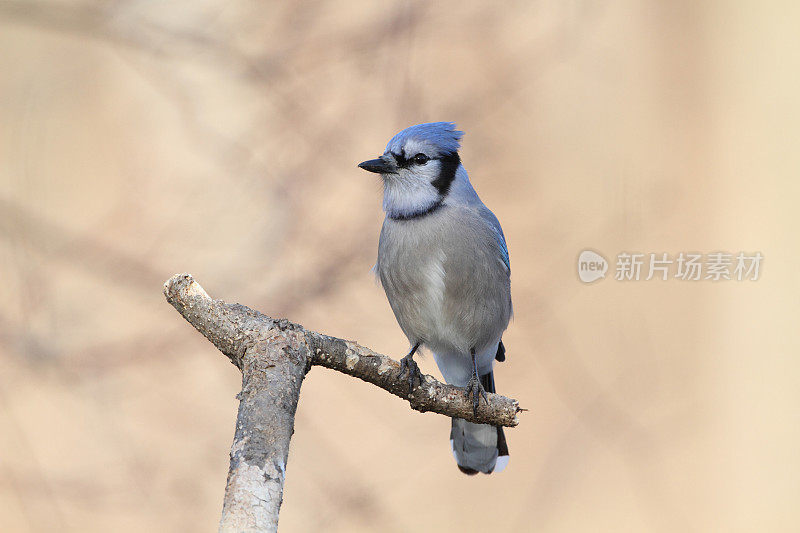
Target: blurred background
[{"x": 140, "y": 139}]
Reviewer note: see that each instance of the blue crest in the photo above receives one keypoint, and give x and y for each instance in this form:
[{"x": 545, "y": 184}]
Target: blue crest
[{"x": 441, "y": 136}]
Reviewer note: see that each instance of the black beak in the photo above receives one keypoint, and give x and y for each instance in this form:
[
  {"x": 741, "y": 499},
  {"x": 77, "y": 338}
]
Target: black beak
[{"x": 379, "y": 166}]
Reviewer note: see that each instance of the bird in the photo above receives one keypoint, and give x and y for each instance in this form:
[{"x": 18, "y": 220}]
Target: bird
[{"x": 443, "y": 263}]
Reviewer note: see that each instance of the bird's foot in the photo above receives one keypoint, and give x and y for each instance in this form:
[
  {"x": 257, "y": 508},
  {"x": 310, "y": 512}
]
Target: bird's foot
[
  {"x": 475, "y": 390},
  {"x": 408, "y": 365}
]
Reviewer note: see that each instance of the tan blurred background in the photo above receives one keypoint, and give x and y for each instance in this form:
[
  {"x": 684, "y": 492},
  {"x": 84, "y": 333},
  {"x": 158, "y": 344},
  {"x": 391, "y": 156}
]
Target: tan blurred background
[{"x": 140, "y": 139}]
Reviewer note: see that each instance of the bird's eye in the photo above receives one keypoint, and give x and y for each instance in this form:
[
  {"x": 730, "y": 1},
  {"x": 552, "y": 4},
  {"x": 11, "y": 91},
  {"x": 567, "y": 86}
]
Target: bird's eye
[{"x": 421, "y": 159}]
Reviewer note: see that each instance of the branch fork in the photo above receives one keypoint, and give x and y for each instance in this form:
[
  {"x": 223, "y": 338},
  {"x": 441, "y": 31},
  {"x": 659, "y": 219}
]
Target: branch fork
[{"x": 274, "y": 357}]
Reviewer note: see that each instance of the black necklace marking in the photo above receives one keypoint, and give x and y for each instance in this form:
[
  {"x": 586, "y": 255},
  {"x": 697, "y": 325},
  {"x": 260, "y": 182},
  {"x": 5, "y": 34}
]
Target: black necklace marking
[{"x": 419, "y": 214}]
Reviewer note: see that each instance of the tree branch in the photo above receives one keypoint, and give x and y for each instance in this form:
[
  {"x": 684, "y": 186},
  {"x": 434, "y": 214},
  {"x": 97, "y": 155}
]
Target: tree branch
[{"x": 274, "y": 356}]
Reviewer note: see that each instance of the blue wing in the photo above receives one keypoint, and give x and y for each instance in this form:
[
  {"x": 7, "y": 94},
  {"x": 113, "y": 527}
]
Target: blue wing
[
  {"x": 504, "y": 252},
  {"x": 501, "y": 238}
]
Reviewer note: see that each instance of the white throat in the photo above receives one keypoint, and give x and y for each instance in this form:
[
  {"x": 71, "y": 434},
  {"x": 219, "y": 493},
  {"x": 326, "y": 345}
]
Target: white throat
[{"x": 405, "y": 196}]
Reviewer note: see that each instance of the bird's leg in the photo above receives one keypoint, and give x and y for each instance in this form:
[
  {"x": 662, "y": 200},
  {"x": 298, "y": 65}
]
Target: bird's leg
[
  {"x": 407, "y": 364},
  {"x": 474, "y": 387}
]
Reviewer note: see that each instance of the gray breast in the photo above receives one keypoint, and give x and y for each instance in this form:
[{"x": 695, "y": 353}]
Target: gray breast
[{"x": 445, "y": 279}]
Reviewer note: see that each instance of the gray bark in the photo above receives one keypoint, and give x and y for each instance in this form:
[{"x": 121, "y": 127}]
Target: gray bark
[{"x": 274, "y": 356}]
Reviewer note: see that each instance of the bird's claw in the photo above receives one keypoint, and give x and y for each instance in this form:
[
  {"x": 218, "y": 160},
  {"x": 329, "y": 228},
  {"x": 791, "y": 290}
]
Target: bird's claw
[
  {"x": 475, "y": 390},
  {"x": 408, "y": 365}
]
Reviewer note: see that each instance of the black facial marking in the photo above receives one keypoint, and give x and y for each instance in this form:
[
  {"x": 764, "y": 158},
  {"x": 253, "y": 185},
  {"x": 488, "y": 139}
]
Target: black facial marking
[
  {"x": 402, "y": 160},
  {"x": 405, "y": 162},
  {"x": 447, "y": 173}
]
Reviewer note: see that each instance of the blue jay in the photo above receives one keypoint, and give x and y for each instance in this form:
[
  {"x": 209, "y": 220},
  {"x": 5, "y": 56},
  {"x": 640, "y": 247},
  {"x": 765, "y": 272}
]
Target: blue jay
[{"x": 443, "y": 263}]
